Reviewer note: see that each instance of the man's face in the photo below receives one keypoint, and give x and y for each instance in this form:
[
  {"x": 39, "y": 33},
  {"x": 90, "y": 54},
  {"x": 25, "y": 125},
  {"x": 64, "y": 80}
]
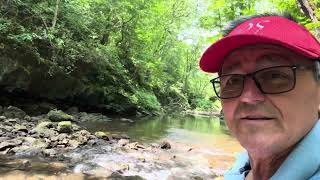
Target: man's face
[{"x": 270, "y": 123}]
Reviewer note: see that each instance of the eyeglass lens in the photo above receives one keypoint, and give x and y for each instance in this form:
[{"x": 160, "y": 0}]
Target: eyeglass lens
[{"x": 272, "y": 80}]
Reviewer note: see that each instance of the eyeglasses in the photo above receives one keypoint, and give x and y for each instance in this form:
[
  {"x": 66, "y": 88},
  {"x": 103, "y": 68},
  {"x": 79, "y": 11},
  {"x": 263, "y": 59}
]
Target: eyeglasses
[{"x": 272, "y": 80}]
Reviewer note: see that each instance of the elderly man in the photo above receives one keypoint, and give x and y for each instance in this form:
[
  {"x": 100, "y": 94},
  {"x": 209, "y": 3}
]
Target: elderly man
[{"x": 269, "y": 85}]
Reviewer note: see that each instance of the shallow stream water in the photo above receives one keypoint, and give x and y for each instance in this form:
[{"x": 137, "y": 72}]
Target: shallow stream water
[{"x": 201, "y": 148}]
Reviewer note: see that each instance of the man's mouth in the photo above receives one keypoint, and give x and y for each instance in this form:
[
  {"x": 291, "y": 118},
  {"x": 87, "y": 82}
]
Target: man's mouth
[{"x": 257, "y": 118}]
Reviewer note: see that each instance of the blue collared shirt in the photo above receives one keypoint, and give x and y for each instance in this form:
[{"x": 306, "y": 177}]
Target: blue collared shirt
[{"x": 303, "y": 163}]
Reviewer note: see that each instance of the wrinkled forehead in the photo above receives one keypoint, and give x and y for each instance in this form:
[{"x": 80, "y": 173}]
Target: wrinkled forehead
[{"x": 261, "y": 55}]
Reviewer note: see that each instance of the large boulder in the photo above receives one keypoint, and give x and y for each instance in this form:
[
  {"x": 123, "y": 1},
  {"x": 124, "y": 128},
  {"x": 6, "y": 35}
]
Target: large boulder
[
  {"x": 58, "y": 115},
  {"x": 43, "y": 131},
  {"x": 14, "y": 112},
  {"x": 9, "y": 144}
]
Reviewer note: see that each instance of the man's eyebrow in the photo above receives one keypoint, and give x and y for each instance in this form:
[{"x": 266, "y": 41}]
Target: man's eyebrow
[
  {"x": 266, "y": 58},
  {"x": 229, "y": 68}
]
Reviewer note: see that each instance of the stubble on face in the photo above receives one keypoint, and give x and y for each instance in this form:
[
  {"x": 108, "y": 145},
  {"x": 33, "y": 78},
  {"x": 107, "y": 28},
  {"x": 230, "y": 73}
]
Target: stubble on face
[{"x": 253, "y": 134}]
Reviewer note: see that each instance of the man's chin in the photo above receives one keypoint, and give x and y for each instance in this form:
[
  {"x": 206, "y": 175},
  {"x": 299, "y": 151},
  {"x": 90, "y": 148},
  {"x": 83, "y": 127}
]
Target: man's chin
[{"x": 262, "y": 143}]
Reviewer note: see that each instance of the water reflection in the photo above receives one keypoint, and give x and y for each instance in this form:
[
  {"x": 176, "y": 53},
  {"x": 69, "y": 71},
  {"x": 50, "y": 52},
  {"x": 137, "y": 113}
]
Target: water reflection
[{"x": 210, "y": 132}]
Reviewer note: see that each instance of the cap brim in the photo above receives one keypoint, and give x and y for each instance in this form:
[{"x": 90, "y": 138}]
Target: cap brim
[{"x": 212, "y": 58}]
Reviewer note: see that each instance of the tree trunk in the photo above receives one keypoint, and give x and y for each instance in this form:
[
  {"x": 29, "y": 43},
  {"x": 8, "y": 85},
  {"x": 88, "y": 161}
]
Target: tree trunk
[
  {"x": 55, "y": 17},
  {"x": 308, "y": 9}
]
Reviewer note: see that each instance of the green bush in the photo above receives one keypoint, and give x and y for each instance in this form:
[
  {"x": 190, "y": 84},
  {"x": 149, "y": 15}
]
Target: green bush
[
  {"x": 207, "y": 105},
  {"x": 145, "y": 100}
]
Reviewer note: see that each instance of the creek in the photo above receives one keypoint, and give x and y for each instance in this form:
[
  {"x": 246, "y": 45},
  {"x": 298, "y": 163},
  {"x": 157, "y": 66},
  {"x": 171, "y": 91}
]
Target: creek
[{"x": 200, "y": 148}]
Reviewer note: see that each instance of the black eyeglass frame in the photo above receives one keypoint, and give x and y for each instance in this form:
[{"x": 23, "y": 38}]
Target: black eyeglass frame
[{"x": 252, "y": 75}]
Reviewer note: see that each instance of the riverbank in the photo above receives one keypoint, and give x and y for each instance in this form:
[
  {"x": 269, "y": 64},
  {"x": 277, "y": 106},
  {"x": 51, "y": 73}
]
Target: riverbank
[
  {"x": 212, "y": 113},
  {"x": 59, "y": 139}
]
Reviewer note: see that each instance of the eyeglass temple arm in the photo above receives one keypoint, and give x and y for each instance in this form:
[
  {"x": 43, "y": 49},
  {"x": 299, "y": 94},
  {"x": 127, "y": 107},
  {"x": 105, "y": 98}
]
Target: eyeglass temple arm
[{"x": 317, "y": 69}]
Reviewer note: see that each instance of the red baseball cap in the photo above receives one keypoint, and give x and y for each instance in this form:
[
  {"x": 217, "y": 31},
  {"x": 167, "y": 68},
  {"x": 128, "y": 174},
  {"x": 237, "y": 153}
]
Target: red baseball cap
[{"x": 261, "y": 30}]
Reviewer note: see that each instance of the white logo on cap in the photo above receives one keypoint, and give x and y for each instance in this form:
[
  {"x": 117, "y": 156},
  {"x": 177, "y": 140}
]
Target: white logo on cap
[{"x": 257, "y": 27}]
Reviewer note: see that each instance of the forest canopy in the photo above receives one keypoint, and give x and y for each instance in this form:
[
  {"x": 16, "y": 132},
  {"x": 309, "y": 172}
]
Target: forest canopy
[{"x": 128, "y": 55}]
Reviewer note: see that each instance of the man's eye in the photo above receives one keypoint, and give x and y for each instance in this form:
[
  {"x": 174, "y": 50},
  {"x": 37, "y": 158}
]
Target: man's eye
[
  {"x": 234, "y": 81},
  {"x": 274, "y": 76}
]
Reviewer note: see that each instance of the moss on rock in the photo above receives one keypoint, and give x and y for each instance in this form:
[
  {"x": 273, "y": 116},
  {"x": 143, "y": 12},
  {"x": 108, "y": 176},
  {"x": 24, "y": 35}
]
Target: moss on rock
[
  {"x": 103, "y": 135},
  {"x": 64, "y": 127},
  {"x": 58, "y": 115}
]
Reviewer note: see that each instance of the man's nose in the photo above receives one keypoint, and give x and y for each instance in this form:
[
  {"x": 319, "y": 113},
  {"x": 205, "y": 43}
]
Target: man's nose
[{"x": 251, "y": 94}]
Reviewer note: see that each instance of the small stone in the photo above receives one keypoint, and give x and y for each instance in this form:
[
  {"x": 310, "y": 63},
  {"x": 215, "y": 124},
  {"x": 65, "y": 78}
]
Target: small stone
[
  {"x": 73, "y": 143},
  {"x": 65, "y": 127},
  {"x": 64, "y": 141},
  {"x": 19, "y": 149},
  {"x": 22, "y": 128},
  {"x": 75, "y": 127},
  {"x": 142, "y": 159},
  {"x": 10, "y": 121},
  {"x": 61, "y": 146},
  {"x": 58, "y": 165},
  {"x": 45, "y": 124},
  {"x": 118, "y": 136},
  {"x": 126, "y": 120},
  {"x": 165, "y": 145},
  {"x": 135, "y": 146},
  {"x": 8, "y": 128},
  {"x": 29, "y": 141},
  {"x": 27, "y": 118},
  {"x": 22, "y": 134},
  {"x": 53, "y": 144},
  {"x": 24, "y": 164},
  {"x": 123, "y": 142},
  {"x": 39, "y": 144},
  {"x": 91, "y": 142},
  {"x": 2, "y": 118},
  {"x": 121, "y": 167},
  {"x": 155, "y": 145},
  {"x": 49, "y": 152},
  {"x": 4, "y": 152},
  {"x": 82, "y": 139},
  {"x": 54, "y": 138},
  {"x": 103, "y": 135},
  {"x": 4, "y": 139},
  {"x": 62, "y": 136}
]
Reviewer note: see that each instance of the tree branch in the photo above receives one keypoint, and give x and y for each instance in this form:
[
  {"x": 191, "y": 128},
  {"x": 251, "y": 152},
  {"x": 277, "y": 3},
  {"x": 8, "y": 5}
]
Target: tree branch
[{"x": 55, "y": 17}]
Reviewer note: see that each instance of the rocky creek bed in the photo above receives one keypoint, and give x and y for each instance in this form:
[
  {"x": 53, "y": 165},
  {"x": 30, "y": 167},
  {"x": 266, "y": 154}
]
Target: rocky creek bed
[{"x": 55, "y": 144}]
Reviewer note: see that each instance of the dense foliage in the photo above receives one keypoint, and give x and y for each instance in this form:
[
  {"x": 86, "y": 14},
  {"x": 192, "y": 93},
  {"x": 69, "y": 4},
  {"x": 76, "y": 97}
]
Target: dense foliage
[{"x": 133, "y": 53}]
